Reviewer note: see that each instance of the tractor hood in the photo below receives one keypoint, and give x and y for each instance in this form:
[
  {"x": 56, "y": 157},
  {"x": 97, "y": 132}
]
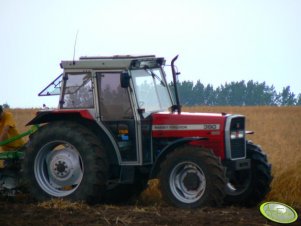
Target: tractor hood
[{"x": 186, "y": 124}]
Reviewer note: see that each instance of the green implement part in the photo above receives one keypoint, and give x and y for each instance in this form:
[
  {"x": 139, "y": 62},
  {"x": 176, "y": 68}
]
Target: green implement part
[
  {"x": 33, "y": 129},
  {"x": 17, "y": 154},
  {"x": 11, "y": 155}
]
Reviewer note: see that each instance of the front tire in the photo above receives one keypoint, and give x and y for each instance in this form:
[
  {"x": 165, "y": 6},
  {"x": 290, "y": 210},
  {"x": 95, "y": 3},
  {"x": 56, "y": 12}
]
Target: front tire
[
  {"x": 249, "y": 187},
  {"x": 65, "y": 160},
  {"x": 192, "y": 177}
]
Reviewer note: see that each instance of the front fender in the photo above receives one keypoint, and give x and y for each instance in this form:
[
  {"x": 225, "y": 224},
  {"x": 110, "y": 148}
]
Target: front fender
[{"x": 169, "y": 148}]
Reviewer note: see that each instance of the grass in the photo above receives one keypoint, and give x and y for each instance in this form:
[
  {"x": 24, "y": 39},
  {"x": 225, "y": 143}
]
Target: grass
[{"x": 277, "y": 130}]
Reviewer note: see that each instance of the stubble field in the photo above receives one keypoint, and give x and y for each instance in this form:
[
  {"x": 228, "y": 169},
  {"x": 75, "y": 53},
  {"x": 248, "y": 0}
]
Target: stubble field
[{"x": 277, "y": 130}]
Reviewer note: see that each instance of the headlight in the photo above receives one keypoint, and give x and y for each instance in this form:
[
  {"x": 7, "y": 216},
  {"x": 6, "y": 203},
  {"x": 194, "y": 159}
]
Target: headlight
[{"x": 237, "y": 134}]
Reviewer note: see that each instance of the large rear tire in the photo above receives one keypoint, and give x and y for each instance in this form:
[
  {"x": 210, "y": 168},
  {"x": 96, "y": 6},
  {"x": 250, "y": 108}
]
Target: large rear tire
[
  {"x": 249, "y": 187},
  {"x": 192, "y": 177},
  {"x": 65, "y": 160}
]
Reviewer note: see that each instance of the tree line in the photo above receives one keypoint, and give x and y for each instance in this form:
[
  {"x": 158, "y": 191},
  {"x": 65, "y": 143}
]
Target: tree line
[{"x": 236, "y": 94}]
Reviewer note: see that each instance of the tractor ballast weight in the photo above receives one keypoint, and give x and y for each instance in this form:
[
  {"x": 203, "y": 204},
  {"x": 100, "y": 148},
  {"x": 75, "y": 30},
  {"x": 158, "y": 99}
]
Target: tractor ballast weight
[{"x": 118, "y": 125}]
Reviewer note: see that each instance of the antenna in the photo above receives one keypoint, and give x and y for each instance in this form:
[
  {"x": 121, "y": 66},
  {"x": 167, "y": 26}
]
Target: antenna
[{"x": 74, "y": 47}]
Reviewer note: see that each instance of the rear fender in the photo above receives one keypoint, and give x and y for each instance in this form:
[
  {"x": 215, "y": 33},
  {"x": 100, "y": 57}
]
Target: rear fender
[
  {"x": 169, "y": 148},
  {"x": 59, "y": 115},
  {"x": 85, "y": 118}
]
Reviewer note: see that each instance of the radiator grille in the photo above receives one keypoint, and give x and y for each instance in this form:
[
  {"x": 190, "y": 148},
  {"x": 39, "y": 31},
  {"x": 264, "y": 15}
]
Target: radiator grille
[
  {"x": 238, "y": 148},
  {"x": 238, "y": 145}
]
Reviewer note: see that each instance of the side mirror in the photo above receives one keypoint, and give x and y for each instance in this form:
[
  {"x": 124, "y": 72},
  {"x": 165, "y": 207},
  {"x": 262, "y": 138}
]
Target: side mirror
[{"x": 125, "y": 79}]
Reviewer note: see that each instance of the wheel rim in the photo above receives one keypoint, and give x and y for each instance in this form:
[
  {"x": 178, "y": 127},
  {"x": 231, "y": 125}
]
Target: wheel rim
[
  {"x": 238, "y": 183},
  {"x": 58, "y": 168},
  {"x": 187, "y": 182}
]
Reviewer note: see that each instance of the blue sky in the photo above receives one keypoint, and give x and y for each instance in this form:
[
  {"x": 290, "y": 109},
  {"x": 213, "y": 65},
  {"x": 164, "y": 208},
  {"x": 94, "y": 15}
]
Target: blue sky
[{"x": 218, "y": 41}]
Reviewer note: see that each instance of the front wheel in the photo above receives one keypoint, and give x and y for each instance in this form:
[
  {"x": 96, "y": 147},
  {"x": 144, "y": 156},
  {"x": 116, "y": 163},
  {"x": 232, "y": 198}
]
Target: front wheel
[
  {"x": 192, "y": 177},
  {"x": 65, "y": 160},
  {"x": 249, "y": 187}
]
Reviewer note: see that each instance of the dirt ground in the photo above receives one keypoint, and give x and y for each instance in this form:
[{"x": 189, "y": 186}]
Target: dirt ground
[{"x": 62, "y": 213}]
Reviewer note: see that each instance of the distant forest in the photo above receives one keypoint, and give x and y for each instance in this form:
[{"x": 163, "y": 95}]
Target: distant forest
[
  {"x": 236, "y": 94},
  {"x": 233, "y": 94}
]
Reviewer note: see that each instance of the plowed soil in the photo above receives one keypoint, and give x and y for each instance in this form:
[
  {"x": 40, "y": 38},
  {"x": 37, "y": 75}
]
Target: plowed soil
[{"x": 62, "y": 213}]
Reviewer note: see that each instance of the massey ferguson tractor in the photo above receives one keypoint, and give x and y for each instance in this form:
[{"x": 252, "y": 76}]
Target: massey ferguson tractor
[{"x": 118, "y": 125}]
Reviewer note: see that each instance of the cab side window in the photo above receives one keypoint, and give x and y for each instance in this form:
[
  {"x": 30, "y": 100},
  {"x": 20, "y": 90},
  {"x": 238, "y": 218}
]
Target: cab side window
[{"x": 78, "y": 92}]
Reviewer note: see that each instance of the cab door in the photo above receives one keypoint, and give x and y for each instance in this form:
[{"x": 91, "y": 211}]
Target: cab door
[{"x": 116, "y": 112}]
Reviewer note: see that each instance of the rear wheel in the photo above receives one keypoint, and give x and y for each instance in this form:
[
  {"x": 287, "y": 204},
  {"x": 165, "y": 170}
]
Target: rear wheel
[
  {"x": 65, "y": 160},
  {"x": 249, "y": 187},
  {"x": 191, "y": 177}
]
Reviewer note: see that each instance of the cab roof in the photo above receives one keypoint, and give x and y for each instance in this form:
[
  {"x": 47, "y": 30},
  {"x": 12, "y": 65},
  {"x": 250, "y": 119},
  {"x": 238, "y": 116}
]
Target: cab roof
[{"x": 114, "y": 62}]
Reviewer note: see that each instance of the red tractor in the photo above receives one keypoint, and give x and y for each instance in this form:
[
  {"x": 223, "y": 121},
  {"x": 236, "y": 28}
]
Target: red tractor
[{"x": 118, "y": 125}]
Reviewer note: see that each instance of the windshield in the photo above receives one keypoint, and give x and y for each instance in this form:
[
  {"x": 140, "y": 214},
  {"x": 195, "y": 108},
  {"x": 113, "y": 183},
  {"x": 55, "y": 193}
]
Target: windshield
[{"x": 151, "y": 90}]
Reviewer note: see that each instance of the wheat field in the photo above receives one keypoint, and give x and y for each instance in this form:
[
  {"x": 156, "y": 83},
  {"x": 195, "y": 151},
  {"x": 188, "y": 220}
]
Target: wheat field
[{"x": 277, "y": 130}]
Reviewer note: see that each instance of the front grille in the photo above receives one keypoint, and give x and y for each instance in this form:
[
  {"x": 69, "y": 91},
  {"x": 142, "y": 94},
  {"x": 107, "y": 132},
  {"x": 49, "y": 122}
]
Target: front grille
[{"x": 235, "y": 147}]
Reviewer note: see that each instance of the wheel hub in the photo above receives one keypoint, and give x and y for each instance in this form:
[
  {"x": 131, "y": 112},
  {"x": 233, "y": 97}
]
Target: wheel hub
[
  {"x": 61, "y": 169},
  {"x": 61, "y": 165},
  {"x": 191, "y": 181}
]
